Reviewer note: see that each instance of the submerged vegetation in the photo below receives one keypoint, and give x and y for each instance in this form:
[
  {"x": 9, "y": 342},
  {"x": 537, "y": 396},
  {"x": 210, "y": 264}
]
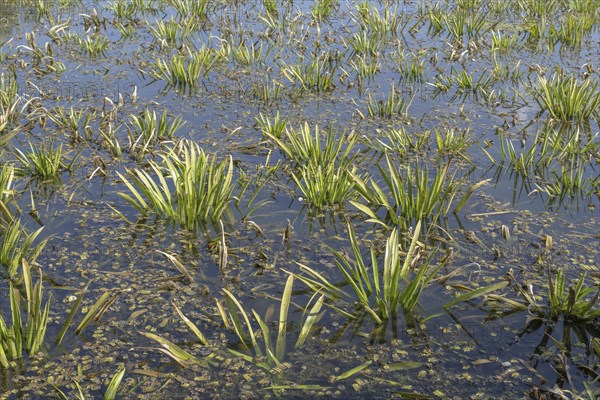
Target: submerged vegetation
[{"x": 288, "y": 199}]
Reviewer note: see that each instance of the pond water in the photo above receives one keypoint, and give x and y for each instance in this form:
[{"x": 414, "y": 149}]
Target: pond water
[{"x": 480, "y": 97}]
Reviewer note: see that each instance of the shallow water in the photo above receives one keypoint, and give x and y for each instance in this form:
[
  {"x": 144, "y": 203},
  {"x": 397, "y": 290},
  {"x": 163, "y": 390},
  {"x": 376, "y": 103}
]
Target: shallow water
[{"x": 465, "y": 351}]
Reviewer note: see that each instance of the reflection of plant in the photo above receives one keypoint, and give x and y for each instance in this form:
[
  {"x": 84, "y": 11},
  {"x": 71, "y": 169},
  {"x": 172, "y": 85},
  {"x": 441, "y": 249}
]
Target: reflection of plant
[
  {"x": 24, "y": 335},
  {"x": 380, "y": 289},
  {"x": 199, "y": 191},
  {"x": 271, "y": 354}
]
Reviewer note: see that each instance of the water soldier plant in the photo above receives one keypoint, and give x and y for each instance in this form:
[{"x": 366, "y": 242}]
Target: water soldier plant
[
  {"x": 147, "y": 129},
  {"x": 323, "y": 170},
  {"x": 18, "y": 245},
  {"x": 270, "y": 354},
  {"x": 44, "y": 162},
  {"x": 24, "y": 336},
  {"x": 566, "y": 98},
  {"x": 412, "y": 197},
  {"x": 7, "y": 193},
  {"x": 575, "y": 302},
  {"x": 187, "y": 186},
  {"x": 379, "y": 289}
]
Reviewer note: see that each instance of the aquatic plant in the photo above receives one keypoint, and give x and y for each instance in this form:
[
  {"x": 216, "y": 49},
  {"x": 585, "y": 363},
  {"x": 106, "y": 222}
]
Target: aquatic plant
[
  {"x": 10, "y": 101},
  {"x": 466, "y": 81},
  {"x": 325, "y": 185},
  {"x": 323, "y": 170},
  {"x": 474, "y": 21},
  {"x": 147, "y": 129},
  {"x": 178, "y": 354},
  {"x": 322, "y": 9},
  {"x": 111, "y": 140},
  {"x": 389, "y": 23},
  {"x": 270, "y": 7},
  {"x": 574, "y": 28},
  {"x": 145, "y": 6},
  {"x": 305, "y": 147},
  {"x": 166, "y": 32},
  {"x": 566, "y": 182},
  {"x": 267, "y": 92},
  {"x": 365, "y": 68},
  {"x": 171, "y": 31},
  {"x": 183, "y": 71},
  {"x": 509, "y": 70},
  {"x": 24, "y": 336},
  {"x": 410, "y": 198},
  {"x": 502, "y": 43},
  {"x": 76, "y": 123},
  {"x": 411, "y": 70},
  {"x": 9, "y": 98},
  {"x": 18, "y": 245},
  {"x": 567, "y": 99},
  {"x": 394, "y": 106},
  {"x": 7, "y": 175},
  {"x": 272, "y": 128},
  {"x": 400, "y": 141},
  {"x": 452, "y": 142},
  {"x": 442, "y": 83},
  {"x": 95, "y": 45},
  {"x": 435, "y": 17},
  {"x": 270, "y": 354},
  {"x": 197, "y": 9},
  {"x": 380, "y": 289},
  {"x": 188, "y": 186},
  {"x": 122, "y": 10},
  {"x": 111, "y": 390},
  {"x": 44, "y": 162},
  {"x": 365, "y": 43},
  {"x": 574, "y": 302},
  {"x": 246, "y": 55},
  {"x": 113, "y": 385},
  {"x": 316, "y": 75}
]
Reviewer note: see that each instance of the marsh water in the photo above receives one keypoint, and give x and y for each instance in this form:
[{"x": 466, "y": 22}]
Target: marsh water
[{"x": 469, "y": 75}]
